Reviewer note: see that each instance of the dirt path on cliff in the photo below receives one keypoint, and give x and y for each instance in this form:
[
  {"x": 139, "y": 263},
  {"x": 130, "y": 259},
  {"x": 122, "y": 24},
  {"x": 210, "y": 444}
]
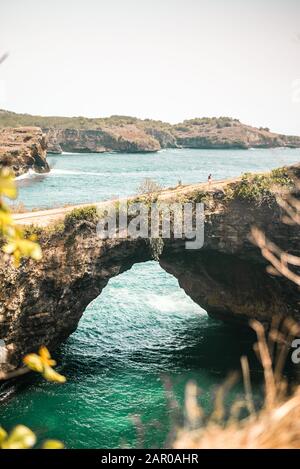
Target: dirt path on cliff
[{"x": 49, "y": 216}]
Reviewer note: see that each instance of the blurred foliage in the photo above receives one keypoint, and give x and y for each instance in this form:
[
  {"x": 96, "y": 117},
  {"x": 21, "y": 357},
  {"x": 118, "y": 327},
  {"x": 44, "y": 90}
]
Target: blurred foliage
[
  {"x": 21, "y": 437},
  {"x": 14, "y": 242},
  {"x": 43, "y": 363}
]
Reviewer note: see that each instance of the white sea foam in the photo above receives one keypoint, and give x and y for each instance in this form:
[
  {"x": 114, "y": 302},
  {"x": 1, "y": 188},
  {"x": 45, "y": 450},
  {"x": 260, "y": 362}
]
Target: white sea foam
[
  {"x": 27, "y": 175},
  {"x": 69, "y": 172},
  {"x": 58, "y": 172},
  {"x": 172, "y": 303},
  {"x": 140, "y": 175},
  {"x": 69, "y": 153}
]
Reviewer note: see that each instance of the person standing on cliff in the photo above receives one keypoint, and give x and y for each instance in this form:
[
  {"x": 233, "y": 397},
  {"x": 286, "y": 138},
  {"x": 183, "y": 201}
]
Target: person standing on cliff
[{"x": 209, "y": 179}]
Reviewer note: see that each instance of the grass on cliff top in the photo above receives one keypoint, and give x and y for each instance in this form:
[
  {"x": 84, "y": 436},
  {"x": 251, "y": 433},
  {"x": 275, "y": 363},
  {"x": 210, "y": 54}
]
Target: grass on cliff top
[
  {"x": 256, "y": 188},
  {"x": 222, "y": 121},
  {"x": 88, "y": 213},
  {"x": 259, "y": 188},
  {"x": 12, "y": 119}
]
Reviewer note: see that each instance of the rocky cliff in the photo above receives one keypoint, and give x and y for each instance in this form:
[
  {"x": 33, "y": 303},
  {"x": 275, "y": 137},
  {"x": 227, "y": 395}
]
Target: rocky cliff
[
  {"x": 129, "y": 139},
  {"x": 129, "y": 134},
  {"x": 42, "y": 302},
  {"x": 23, "y": 148},
  {"x": 228, "y": 133}
]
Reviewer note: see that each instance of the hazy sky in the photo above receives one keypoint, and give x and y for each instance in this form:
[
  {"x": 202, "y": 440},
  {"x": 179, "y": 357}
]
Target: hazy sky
[{"x": 164, "y": 59}]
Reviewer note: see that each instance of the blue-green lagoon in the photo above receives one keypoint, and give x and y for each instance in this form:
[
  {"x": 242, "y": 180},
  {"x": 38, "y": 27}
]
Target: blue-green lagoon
[{"x": 143, "y": 331}]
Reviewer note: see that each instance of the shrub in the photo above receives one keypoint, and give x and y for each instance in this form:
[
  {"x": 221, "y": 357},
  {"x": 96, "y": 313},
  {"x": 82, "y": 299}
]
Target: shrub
[
  {"x": 260, "y": 187},
  {"x": 148, "y": 186},
  {"x": 88, "y": 213},
  {"x": 182, "y": 128},
  {"x": 32, "y": 230},
  {"x": 265, "y": 129},
  {"x": 221, "y": 124}
]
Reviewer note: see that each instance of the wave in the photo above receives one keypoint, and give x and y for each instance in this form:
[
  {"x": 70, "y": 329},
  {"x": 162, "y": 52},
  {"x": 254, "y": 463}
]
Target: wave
[
  {"x": 70, "y": 153},
  {"x": 58, "y": 172},
  {"x": 174, "y": 302},
  {"x": 27, "y": 175},
  {"x": 7, "y": 393},
  {"x": 70, "y": 172},
  {"x": 138, "y": 174}
]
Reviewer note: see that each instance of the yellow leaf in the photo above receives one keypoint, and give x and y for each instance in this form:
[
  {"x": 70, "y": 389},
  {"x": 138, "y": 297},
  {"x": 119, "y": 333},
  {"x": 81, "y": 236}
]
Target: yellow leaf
[
  {"x": 17, "y": 257},
  {"x": 7, "y": 184},
  {"x": 43, "y": 363},
  {"x": 3, "y": 435},
  {"x": 36, "y": 252},
  {"x": 9, "y": 248},
  {"x": 15, "y": 243},
  {"x": 46, "y": 357},
  {"x": 44, "y": 353},
  {"x": 51, "y": 375},
  {"x": 52, "y": 444},
  {"x": 22, "y": 248},
  {"x": 5, "y": 218},
  {"x": 30, "y": 249},
  {"x": 34, "y": 362},
  {"x": 21, "y": 437}
]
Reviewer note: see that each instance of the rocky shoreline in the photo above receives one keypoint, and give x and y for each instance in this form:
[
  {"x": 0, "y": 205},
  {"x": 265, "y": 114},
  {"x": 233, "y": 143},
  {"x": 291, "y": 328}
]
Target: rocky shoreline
[
  {"x": 131, "y": 135},
  {"x": 22, "y": 149}
]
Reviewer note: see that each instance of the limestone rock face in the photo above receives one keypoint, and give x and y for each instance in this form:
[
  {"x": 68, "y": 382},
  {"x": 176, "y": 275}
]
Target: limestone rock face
[
  {"x": 138, "y": 137},
  {"x": 228, "y": 133},
  {"x": 23, "y": 148},
  {"x": 130, "y": 134},
  {"x": 127, "y": 139},
  {"x": 165, "y": 137},
  {"x": 42, "y": 302}
]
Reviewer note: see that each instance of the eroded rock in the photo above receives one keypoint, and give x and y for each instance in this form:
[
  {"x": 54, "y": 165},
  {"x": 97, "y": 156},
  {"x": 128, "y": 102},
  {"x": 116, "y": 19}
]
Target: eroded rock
[
  {"x": 23, "y": 148},
  {"x": 42, "y": 302}
]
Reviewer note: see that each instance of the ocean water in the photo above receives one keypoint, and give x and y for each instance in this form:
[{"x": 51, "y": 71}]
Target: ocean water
[
  {"x": 143, "y": 339},
  {"x": 83, "y": 178}
]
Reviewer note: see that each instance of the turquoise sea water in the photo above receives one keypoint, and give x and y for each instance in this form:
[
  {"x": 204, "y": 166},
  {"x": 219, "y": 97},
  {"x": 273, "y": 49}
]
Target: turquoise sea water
[
  {"x": 78, "y": 178},
  {"x": 143, "y": 336}
]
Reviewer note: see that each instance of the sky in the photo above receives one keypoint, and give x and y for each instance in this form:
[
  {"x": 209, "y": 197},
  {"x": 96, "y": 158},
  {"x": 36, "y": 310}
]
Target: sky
[{"x": 161, "y": 59}]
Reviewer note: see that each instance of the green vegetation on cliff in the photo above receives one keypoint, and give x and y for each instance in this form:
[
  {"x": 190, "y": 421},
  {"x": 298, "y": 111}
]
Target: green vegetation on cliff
[
  {"x": 259, "y": 188},
  {"x": 130, "y": 134},
  {"x": 12, "y": 119},
  {"x": 88, "y": 213}
]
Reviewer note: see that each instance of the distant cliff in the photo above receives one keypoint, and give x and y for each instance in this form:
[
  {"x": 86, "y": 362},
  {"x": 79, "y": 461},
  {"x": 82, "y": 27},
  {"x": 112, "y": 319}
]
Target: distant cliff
[
  {"x": 129, "y": 134},
  {"x": 124, "y": 139},
  {"x": 23, "y": 148},
  {"x": 229, "y": 133}
]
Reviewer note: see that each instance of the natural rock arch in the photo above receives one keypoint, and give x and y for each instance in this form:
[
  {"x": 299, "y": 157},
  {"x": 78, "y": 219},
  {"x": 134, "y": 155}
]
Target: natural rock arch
[{"x": 41, "y": 303}]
